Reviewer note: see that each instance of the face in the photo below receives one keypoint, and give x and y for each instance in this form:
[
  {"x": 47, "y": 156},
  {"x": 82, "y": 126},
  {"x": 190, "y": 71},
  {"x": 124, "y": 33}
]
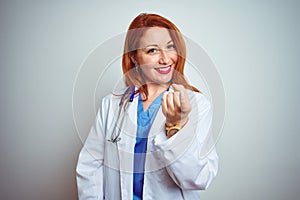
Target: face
[{"x": 156, "y": 56}]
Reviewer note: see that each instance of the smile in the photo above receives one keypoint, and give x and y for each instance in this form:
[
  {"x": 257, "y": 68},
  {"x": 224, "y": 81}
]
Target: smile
[{"x": 164, "y": 70}]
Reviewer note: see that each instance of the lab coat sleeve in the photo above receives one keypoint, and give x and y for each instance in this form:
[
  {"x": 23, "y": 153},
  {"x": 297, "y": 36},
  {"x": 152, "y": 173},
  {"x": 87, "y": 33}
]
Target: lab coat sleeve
[
  {"x": 89, "y": 171},
  {"x": 189, "y": 156}
]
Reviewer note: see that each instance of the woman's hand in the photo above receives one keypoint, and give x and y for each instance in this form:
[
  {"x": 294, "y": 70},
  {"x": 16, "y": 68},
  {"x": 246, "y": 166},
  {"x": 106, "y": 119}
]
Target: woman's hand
[{"x": 176, "y": 106}]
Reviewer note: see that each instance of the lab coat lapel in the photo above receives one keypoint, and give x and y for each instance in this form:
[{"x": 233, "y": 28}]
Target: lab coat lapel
[{"x": 126, "y": 149}]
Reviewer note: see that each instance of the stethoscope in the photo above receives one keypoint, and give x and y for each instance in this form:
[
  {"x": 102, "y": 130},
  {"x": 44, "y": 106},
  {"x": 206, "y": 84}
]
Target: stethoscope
[{"x": 115, "y": 136}]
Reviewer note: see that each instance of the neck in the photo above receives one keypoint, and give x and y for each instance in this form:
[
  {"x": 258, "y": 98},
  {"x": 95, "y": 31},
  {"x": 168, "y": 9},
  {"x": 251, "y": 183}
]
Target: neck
[{"x": 154, "y": 89}]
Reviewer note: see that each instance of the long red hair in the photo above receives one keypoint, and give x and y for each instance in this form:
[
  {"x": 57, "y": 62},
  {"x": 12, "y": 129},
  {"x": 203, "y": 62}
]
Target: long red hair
[{"x": 135, "y": 31}]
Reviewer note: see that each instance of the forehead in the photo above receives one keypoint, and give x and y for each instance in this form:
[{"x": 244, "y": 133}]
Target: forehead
[{"x": 155, "y": 35}]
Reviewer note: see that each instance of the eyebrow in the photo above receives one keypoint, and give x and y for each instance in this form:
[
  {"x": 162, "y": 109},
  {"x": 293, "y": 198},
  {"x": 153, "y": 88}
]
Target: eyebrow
[{"x": 157, "y": 45}]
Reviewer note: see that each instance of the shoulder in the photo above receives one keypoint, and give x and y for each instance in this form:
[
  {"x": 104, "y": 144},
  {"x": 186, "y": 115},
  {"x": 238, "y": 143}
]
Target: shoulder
[{"x": 114, "y": 96}]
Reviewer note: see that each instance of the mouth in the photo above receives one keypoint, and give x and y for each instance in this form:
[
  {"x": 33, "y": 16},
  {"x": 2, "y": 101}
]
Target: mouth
[{"x": 163, "y": 70}]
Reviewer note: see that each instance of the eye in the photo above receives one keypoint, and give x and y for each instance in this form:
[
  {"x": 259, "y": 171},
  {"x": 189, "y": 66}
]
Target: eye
[
  {"x": 171, "y": 46},
  {"x": 152, "y": 51}
]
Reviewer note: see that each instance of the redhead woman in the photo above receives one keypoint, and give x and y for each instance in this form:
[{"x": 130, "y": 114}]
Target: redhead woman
[{"x": 147, "y": 142}]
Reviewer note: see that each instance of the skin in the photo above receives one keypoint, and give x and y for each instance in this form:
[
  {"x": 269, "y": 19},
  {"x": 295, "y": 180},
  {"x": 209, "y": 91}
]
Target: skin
[
  {"x": 176, "y": 106},
  {"x": 157, "y": 53}
]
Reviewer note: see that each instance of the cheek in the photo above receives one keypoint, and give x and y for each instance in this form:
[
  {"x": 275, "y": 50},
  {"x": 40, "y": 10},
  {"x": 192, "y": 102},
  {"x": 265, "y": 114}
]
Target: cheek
[
  {"x": 174, "y": 57},
  {"x": 148, "y": 60}
]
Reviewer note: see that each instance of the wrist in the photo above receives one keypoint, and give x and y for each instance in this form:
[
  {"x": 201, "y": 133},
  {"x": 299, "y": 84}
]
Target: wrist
[
  {"x": 179, "y": 123},
  {"x": 172, "y": 128}
]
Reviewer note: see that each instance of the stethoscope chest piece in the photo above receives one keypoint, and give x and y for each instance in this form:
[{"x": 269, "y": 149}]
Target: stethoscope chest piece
[{"x": 115, "y": 140}]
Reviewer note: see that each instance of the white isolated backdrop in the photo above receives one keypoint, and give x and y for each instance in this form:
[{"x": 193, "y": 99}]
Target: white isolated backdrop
[{"x": 254, "y": 44}]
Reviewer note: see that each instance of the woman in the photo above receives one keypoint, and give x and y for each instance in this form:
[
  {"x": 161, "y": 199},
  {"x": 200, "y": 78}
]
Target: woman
[{"x": 146, "y": 143}]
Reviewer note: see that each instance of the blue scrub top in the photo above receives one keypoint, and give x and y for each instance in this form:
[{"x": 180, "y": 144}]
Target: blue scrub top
[{"x": 144, "y": 122}]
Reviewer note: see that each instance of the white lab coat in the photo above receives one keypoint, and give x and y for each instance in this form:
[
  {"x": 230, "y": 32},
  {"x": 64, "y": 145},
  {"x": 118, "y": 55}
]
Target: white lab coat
[{"x": 175, "y": 168}]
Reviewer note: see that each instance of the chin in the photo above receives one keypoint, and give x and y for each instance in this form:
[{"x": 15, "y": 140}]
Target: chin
[{"x": 164, "y": 82}]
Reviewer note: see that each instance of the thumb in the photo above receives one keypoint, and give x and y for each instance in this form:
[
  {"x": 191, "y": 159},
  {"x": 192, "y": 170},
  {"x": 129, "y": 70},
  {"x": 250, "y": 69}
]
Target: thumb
[{"x": 177, "y": 87}]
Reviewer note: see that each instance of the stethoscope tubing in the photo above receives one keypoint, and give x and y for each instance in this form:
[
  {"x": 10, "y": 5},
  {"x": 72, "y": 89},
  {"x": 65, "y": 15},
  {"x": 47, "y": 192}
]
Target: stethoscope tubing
[{"x": 116, "y": 137}]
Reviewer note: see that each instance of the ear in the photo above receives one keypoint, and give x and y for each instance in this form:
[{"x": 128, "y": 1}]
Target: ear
[{"x": 133, "y": 60}]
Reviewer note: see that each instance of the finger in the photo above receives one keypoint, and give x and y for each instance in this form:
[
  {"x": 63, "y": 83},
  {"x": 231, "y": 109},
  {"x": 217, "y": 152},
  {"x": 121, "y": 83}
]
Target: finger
[
  {"x": 170, "y": 102},
  {"x": 177, "y": 87},
  {"x": 164, "y": 103},
  {"x": 184, "y": 98},
  {"x": 185, "y": 102},
  {"x": 181, "y": 89},
  {"x": 176, "y": 101}
]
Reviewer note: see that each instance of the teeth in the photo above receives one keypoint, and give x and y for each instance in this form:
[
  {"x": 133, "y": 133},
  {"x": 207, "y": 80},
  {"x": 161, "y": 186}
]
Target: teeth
[{"x": 164, "y": 69}]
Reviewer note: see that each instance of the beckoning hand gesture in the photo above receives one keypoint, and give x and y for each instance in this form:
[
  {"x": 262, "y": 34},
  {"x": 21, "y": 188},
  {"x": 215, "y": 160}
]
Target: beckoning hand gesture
[{"x": 176, "y": 106}]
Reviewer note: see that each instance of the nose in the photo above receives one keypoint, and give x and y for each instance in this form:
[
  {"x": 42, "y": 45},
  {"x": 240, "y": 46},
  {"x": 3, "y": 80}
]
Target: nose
[{"x": 164, "y": 57}]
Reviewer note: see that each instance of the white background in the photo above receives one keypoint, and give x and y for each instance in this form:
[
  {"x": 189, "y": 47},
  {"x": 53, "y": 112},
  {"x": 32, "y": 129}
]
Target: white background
[{"x": 254, "y": 44}]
